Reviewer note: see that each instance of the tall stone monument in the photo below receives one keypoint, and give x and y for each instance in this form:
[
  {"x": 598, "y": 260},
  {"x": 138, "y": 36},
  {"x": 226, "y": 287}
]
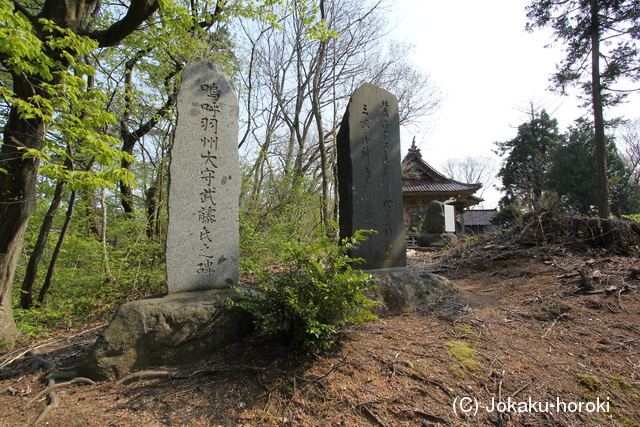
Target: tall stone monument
[
  {"x": 370, "y": 179},
  {"x": 204, "y": 184},
  {"x": 202, "y": 244}
]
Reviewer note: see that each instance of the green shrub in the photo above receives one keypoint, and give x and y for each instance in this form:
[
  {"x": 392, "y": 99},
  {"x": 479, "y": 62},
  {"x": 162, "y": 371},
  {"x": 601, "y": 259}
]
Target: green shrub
[
  {"x": 635, "y": 217},
  {"x": 318, "y": 291}
]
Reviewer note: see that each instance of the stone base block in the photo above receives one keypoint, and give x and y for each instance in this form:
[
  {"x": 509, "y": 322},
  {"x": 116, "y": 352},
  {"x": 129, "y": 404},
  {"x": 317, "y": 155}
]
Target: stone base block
[
  {"x": 402, "y": 290},
  {"x": 165, "y": 330},
  {"x": 436, "y": 240}
]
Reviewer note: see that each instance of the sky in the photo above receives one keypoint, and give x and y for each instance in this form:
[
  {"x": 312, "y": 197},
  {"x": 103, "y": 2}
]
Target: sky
[{"x": 490, "y": 71}]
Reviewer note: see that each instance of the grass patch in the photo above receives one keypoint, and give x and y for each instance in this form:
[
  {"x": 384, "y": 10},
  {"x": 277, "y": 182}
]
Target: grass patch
[
  {"x": 464, "y": 330},
  {"x": 80, "y": 291},
  {"x": 621, "y": 386},
  {"x": 464, "y": 355}
]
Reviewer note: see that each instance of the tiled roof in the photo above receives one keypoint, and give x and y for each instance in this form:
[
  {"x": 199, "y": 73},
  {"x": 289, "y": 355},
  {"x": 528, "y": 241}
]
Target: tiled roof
[
  {"x": 427, "y": 182},
  {"x": 478, "y": 216},
  {"x": 430, "y": 180},
  {"x": 413, "y": 158},
  {"x": 428, "y": 185}
]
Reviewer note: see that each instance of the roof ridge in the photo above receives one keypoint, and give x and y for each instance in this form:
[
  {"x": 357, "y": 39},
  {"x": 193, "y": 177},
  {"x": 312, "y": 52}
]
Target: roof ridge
[{"x": 414, "y": 154}]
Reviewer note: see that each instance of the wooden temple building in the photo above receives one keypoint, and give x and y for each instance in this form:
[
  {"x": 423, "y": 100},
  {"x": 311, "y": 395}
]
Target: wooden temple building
[{"x": 422, "y": 184}]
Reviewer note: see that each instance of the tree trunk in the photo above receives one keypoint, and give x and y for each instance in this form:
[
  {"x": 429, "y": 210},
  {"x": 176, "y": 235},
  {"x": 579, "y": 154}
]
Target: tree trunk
[
  {"x": 56, "y": 252},
  {"x": 153, "y": 205},
  {"x": 129, "y": 139},
  {"x": 91, "y": 212},
  {"x": 17, "y": 198},
  {"x": 324, "y": 166},
  {"x": 17, "y": 185},
  {"x": 103, "y": 237},
  {"x": 126, "y": 191},
  {"x": 26, "y": 292},
  {"x": 602, "y": 183}
]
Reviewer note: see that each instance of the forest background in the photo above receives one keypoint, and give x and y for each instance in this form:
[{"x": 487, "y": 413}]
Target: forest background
[{"x": 97, "y": 95}]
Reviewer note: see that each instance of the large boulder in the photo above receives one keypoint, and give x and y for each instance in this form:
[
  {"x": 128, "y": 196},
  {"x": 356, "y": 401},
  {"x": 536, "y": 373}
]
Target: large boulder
[
  {"x": 402, "y": 290},
  {"x": 165, "y": 330},
  {"x": 436, "y": 240}
]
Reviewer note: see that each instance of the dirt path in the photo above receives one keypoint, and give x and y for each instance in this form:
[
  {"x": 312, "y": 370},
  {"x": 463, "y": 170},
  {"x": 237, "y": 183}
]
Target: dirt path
[{"x": 517, "y": 335}]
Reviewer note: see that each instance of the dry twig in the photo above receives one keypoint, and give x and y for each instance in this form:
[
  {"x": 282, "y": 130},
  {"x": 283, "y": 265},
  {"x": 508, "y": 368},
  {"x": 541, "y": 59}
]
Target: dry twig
[
  {"x": 622, "y": 307},
  {"x": 518, "y": 391},
  {"x": 371, "y": 415},
  {"x": 331, "y": 369},
  {"x": 554, "y": 324}
]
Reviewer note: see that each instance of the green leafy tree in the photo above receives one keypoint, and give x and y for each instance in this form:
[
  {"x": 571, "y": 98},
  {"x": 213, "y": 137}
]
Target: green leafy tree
[
  {"x": 50, "y": 106},
  {"x": 46, "y": 91},
  {"x": 527, "y": 159},
  {"x": 572, "y": 174},
  {"x": 601, "y": 39},
  {"x": 144, "y": 72},
  {"x": 287, "y": 206}
]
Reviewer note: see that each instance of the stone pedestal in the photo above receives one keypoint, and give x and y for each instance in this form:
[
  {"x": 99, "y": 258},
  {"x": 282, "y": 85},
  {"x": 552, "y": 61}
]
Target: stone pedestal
[
  {"x": 437, "y": 240},
  {"x": 402, "y": 290},
  {"x": 165, "y": 330}
]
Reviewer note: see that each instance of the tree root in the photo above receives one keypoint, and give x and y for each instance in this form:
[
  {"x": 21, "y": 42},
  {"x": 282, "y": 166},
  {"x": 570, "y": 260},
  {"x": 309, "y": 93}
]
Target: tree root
[
  {"x": 54, "y": 401},
  {"x": 41, "y": 362},
  {"x": 371, "y": 415},
  {"x": 52, "y": 386},
  {"x": 141, "y": 375},
  {"x": 622, "y": 307},
  {"x": 32, "y": 350}
]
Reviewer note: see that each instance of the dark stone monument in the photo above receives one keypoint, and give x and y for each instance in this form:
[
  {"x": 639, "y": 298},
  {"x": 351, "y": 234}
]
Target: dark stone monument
[
  {"x": 369, "y": 177},
  {"x": 434, "y": 220}
]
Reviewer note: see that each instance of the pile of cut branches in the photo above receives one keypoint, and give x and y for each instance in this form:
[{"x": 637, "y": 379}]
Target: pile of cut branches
[
  {"x": 579, "y": 233},
  {"x": 543, "y": 236}
]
